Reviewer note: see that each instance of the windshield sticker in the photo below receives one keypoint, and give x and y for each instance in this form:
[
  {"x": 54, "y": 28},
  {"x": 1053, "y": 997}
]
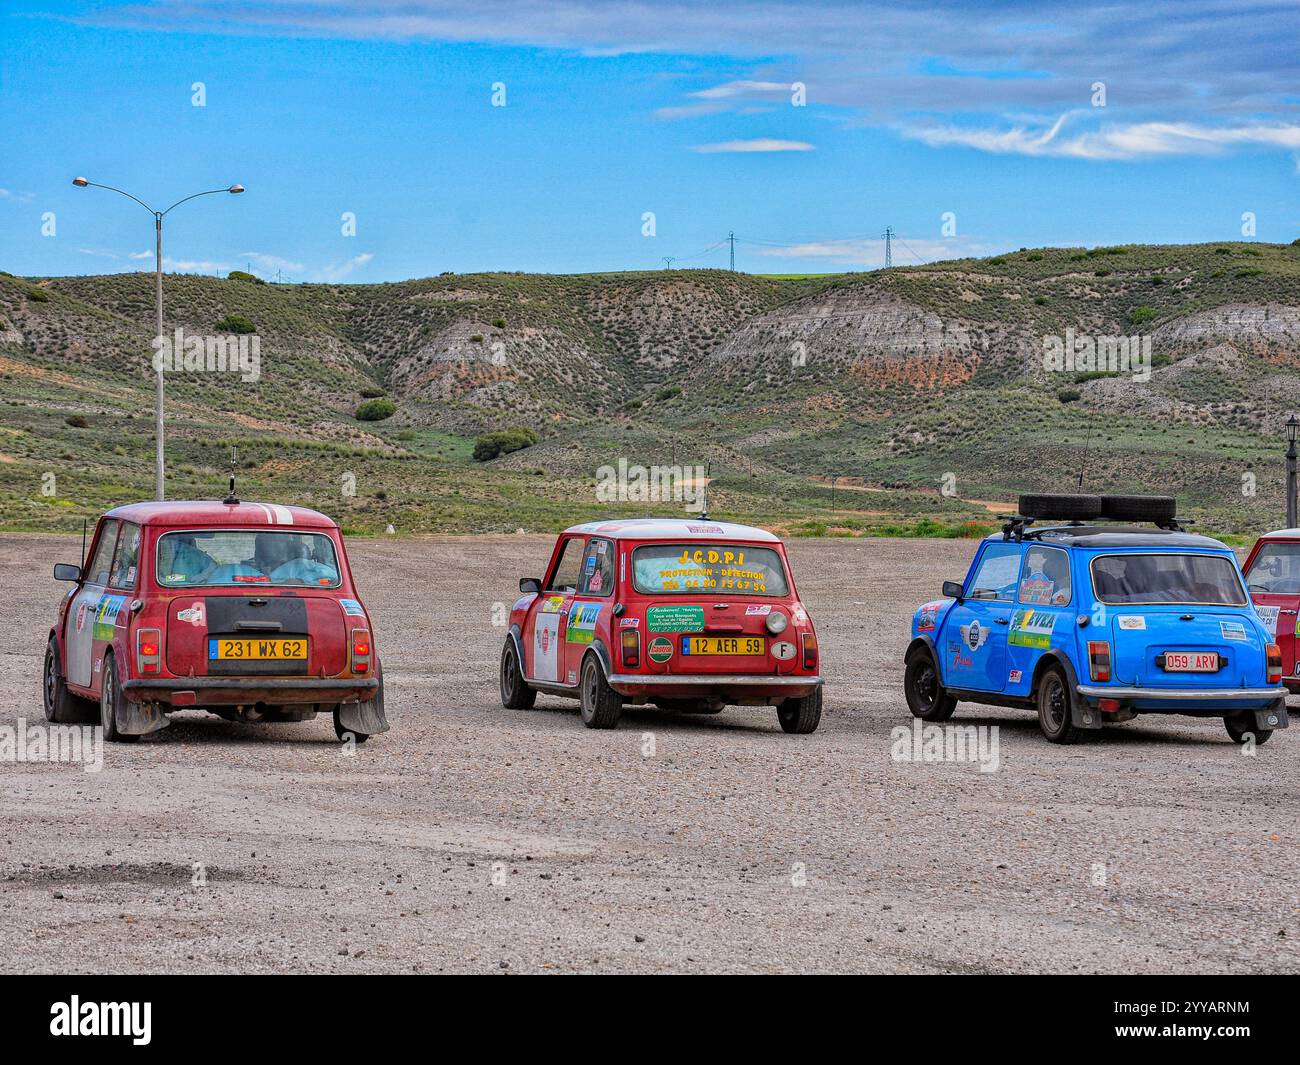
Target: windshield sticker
[
  {"x": 582, "y": 623},
  {"x": 106, "y": 616},
  {"x": 1131, "y": 621},
  {"x": 1232, "y": 630},
  {"x": 351, "y": 606},
  {"x": 974, "y": 634},
  {"x": 675, "y": 619},
  {"x": 1036, "y": 590},
  {"x": 1268, "y": 615},
  {"x": 1032, "y": 628}
]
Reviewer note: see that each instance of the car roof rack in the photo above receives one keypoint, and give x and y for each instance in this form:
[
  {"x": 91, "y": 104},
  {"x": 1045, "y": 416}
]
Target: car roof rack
[{"x": 1017, "y": 527}]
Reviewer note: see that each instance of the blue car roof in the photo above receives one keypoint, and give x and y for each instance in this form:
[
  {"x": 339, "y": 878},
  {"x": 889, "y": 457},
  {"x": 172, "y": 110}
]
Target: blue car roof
[{"x": 1116, "y": 536}]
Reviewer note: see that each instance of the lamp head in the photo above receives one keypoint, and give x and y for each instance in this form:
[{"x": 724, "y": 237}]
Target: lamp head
[
  {"x": 235, "y": 189},
  {"x": 80, "y": 182}
]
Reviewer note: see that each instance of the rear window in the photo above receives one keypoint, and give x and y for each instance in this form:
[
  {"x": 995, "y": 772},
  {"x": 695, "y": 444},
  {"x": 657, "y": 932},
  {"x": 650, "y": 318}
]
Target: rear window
[
  {"x": 1205, "y": 580},
  {"x": 224, "y": 557},
  {"x": 1276, "y": 569},
  {"x": 668, "y": 569}
]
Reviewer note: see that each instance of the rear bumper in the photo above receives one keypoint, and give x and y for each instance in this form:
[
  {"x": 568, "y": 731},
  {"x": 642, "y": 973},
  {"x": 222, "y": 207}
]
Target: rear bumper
[
  {"x": 237, "y": 691},
  {"x": 1179, "y": 695},
  {"x": 685, "y": 684}
]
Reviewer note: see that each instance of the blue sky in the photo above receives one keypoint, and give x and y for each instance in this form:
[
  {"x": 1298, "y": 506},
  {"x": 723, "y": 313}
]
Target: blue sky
[{"x": 613, "y": 109}]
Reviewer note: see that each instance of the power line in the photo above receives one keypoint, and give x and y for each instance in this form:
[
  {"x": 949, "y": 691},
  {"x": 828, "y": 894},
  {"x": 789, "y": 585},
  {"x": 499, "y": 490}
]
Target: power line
[{"x": 888, "y": 234}]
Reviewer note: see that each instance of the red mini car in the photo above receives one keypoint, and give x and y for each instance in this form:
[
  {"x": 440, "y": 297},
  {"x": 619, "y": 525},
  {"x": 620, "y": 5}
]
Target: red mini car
[
  {"x": 688, "y": 615},
  {"x": 246, "y": 610},
  {"x": 1272, "y": 572}
]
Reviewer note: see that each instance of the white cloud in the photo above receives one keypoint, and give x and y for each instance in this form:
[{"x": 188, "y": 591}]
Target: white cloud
[
  {"x": 758, "y": 144},
  {"x": 271, "y": 263},
  {"x": 17, "y": 197},
  {"x": 338, "y": 271},
  {"x": 858, "y": 252},
  {"x": 741, "y": 88}
]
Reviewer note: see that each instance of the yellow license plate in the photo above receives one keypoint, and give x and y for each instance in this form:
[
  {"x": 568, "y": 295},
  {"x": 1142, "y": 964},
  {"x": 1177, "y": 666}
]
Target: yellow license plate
[
  {"x": 256, "y": 650},
  {"x": 724, "y": 645}
]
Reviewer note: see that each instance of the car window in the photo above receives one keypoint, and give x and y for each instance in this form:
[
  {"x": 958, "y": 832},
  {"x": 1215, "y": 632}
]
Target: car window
[
  {"x": 1204, "y": 580},
  {"x": 204, "y": 558},
  {"x": 1276, "y": 569},
  {"x": 598, "y": 568},
  {"x": 127, "y": 557},
  {"x": 685, "y": 569},
  {"x": 100, "y": 563},
  {"x": 1045, "y": 578},
  {"x": 996, "y": 577},
  {"x": 568, "y": 567}
]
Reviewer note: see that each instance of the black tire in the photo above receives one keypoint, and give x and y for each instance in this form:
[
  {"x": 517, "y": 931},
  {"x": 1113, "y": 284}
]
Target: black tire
[
  {"x": 601, "y": 705},
  {"x": 927, "y": 698},
  {"x": 801, "y": 716},
  {"x": 61, "y": 706},
  {"x": 1060, "y": 507},
  {"x": 110, "y": 699},
  {"x": 1242, "y": 725},
  {"x": 1054, "y": 707},
  {"x": 1139, "y": 508},
  {"x": 515, "y": 692}
]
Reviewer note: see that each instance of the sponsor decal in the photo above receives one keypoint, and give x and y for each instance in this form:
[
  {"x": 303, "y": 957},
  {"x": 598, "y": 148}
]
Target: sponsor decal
[
  {"x": 629, "y": 623},
  {"x": 800, "y": 614},
  {"x": 81, "y": 615},
  {"x": 675, "y": 619},
  {"x": 974, "y": 634},
  {"x": 1232, "y": 630},
  {"x": 1131, "y": 622},
  {"x": 351, "y": 606},
  {"x": 660, "y": 649},
  {"x": 106, "y": 616},
  {"x": 1036, "y": 590},
  {"x": 582, "y": 622},
  {"x": 546, "y": 639},
  {"x": 715, "y": 530},
  {"x": 192, "y": 615},
  {"x": 573, "y": 676},
  {"x": 1032, "y": 628},
  {"x": 591, "y": 563},
  {"x": 926, "y": 617},
  {"x": 759, "y": 611},
  {"x": 596, "y": 583},
  {"x": 1014, "y": 677},
  {"x": 1268, "y": 615},
  {"x": 602, "y": 546},
  {"x": 552, "y": 604}
]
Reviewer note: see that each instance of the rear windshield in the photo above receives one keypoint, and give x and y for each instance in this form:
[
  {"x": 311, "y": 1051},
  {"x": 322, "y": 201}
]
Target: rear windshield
[
  {"x": 667, "y": 569},
  {"x": 207, "y": 558},
  {"x": 1207, "y": 580},
  {"x": 1276, "y": 569}
]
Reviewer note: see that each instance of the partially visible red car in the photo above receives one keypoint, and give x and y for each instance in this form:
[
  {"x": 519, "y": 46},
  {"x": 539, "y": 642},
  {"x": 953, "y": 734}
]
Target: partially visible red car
[
  {"x": 688, "y": 615},
  {"x": 243, "y": 609},
  {"x": 1272, "y": 572}
]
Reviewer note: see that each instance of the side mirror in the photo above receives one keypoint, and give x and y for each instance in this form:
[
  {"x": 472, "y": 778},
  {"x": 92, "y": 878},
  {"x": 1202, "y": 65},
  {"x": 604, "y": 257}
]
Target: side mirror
[
  {"x": 531, "y": 585},
  {"x": 952, "y": 590},
  {"x": 66, "y": 571}
]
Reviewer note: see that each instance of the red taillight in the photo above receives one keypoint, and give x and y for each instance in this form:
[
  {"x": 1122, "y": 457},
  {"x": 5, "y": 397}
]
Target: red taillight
[
  {"x": 1099, "y": 659},
  {"x": 630, "y": 642},
  {"x": 1274, "y": 655},
  {"x": 809, "y": 650},
  {"x": 360, "y": 650},
  {"x": 148, "y": 651}
]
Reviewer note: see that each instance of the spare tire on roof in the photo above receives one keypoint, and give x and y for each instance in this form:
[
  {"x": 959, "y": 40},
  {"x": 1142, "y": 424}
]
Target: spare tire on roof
[
  {"x": 1061, "y": 507},
  {"x": 1139, "y": 508}
]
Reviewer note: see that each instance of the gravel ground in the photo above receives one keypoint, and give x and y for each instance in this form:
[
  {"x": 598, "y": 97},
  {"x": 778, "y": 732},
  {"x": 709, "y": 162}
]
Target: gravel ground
[{"x": 472, "y": 838}]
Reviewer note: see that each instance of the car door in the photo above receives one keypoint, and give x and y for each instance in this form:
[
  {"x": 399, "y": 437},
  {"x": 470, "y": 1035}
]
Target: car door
[
  {"x": 79, "y": 630},
  {"x": 1273, "y": 580},
  {"x": 1042, "y": 613},
  {"x": 974, "y": 644},
  {"x": 546, "y": 625},
  {"x": 590, "y": 604}
]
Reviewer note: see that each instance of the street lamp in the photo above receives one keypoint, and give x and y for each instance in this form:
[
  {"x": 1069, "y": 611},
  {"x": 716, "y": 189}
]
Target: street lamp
[
  {"x": 158, "y": 216},
  {"x": 1292, "y": 425}
]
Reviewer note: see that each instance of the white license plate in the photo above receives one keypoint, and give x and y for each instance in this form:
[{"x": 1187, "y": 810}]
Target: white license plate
[{"x": 1191, "y": 661}]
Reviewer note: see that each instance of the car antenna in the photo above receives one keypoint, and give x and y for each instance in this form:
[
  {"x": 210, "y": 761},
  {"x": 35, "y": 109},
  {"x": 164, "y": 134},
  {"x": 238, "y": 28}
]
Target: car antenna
[
  {"x": 231, "y": 499},
  {"x": 83, "y": 543},
  {"x": 1083, "y": 461},
  {"x": 704, "y": 493}
]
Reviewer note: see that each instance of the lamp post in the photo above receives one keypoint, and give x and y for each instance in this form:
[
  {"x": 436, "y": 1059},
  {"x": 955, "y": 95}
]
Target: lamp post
[
  {"x": 158, "y": 216},
  {"x": 1292, "y": 425}
]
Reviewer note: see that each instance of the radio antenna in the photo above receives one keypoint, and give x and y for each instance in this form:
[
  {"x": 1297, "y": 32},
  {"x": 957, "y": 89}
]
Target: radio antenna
[
  {"x": 83, "y": 543},
  {"x": 1084, "y": 460},
  {"x": 231, "y": 498}
]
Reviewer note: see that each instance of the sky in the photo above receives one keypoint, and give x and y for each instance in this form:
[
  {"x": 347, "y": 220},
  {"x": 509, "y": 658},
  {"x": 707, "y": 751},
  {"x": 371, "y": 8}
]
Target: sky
[{"x": 402, "y": 138}]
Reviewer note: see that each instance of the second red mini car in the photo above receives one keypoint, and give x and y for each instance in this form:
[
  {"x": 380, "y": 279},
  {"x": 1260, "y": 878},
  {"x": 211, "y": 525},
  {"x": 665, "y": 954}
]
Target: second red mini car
[{"x": 687, "y": 615}]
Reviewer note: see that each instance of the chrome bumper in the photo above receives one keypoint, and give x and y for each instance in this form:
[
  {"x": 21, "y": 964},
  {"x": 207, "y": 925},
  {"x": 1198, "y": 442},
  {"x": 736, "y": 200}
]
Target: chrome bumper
[
  {"x": 720, "y": 680},
  {"x": 1094, "y": 691}
]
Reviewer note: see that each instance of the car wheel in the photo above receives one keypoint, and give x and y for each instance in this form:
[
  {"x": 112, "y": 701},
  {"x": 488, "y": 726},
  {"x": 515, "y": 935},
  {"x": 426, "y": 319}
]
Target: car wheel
[
  {"x": 61, "y": 706},
  {"x": 801, "y": 716},
  {"x": 515, "y": 692},
  {"x": 927, "y": 698},
  {"x": 110, "y": 698},
  {"x": 601, "y": 704},
  {"x": 343, "y": 732},
  {"x": 1240, "y": 726},
  {"x": 1054, "y": 708}
]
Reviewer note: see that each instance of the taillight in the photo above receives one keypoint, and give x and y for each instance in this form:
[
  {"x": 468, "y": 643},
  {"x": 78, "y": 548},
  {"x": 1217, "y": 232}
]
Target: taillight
[
  {"x": 1274, "y": 654},
  {"x": 631, "y": 644},
  {"x": 360, "y": 650},
  {"x": 1099, "y": 659},
  {"x": 809, "y": 650},
  {"x": 148, "y": 651}
]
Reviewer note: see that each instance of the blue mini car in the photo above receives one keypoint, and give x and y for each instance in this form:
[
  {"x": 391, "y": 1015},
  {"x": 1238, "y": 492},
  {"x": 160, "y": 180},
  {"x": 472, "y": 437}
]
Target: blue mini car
[{"x": 1091, "y": 624}]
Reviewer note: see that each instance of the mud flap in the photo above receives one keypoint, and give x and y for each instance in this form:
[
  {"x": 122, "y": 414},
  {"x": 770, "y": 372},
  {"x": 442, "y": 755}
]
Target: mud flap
[
  {"x": 1272, "y": 718},
  {"x": 365, "y": 719},
  {"x": 140, "y": 719},
  {"x": 1082, "y": 715}
]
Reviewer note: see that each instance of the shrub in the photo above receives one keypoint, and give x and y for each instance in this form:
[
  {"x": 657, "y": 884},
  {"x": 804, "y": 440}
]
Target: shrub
[
  {"x": 38, "y": 295},
  {"x": 77, "y": 422},
  {"x": 1068, "y": 395},
  {"x": 372, "y": 392},
  {"x": 1138, "y": 315},
  {"x": 500, "y": 323},
  {"x": 244, "y": 275},
  {"x": 502, "y": 442},
  {"x": 235, "y": 323},
  {"x": 668, "y": 393},
  {"x": 376, "y": 410}
]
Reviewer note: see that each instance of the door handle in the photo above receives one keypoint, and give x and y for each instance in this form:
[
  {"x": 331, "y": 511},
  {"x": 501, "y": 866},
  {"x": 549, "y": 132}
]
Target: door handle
[{"x": 1000, "y": 621}]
